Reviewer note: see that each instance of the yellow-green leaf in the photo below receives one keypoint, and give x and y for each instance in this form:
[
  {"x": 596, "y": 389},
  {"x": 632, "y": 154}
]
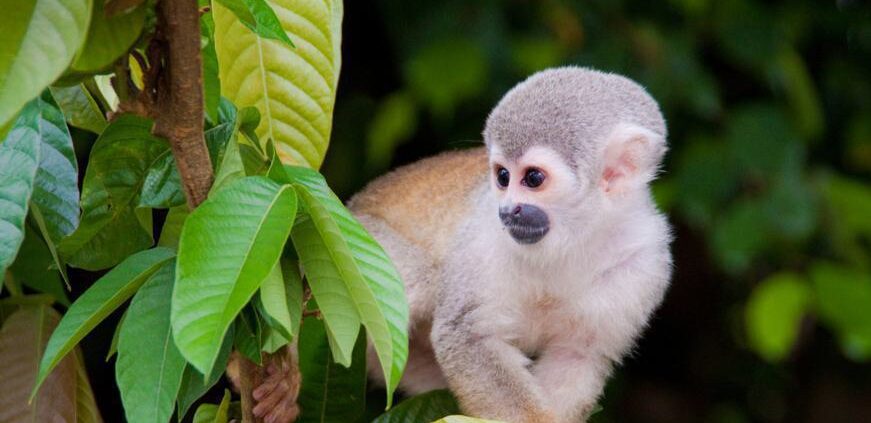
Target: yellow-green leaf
[{"x": 293, "y": 88}]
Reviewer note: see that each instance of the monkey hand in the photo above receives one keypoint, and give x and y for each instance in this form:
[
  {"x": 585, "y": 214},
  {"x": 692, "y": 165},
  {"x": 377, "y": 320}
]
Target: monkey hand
[{"x": 275, "y": 398}]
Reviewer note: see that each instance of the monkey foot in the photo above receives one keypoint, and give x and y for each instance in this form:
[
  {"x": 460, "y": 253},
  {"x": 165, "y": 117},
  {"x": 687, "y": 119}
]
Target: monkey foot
[{"x": 275, "y": 398}]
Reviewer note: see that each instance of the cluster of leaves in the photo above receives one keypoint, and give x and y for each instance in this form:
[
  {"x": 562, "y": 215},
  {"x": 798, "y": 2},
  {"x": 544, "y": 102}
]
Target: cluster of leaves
[{"x": 270, "y": 244}]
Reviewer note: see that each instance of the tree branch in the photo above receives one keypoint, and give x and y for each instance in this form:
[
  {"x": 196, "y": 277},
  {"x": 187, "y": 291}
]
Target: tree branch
[{"x": 178, "y": 110}]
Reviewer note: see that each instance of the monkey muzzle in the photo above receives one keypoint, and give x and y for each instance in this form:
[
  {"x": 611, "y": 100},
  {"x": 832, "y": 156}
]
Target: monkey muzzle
[{"x": 526, "y": 223}]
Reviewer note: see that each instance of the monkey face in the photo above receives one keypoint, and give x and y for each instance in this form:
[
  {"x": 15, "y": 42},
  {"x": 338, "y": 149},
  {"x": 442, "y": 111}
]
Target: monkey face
[{"x": 534, "y": 191}]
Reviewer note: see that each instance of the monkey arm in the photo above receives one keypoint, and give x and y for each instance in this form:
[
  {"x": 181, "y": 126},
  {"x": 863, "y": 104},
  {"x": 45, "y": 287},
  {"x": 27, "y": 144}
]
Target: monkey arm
[
  {"x": 488, "y": 376},
  {"x": 573, "y": 370}
]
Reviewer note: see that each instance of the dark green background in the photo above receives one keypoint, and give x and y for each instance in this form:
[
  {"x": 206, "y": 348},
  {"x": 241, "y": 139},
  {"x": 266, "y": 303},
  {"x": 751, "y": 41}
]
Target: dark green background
[{"x": 767, "y": 180}]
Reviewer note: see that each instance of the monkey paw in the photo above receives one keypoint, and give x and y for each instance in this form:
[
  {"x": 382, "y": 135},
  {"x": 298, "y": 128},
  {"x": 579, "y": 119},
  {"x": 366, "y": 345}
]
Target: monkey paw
[{"x": 275, "y": 398}]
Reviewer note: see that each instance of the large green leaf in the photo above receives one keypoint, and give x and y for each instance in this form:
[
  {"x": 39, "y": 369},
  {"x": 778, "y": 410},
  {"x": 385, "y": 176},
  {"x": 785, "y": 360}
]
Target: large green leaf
[
  {"x": 22, "y": 341},
  {"x": 228, "y": 245},
  {"x": 330, "y": 392},
  {"x": 55, "y": 192},
  {"x": 422, "y": 408},
  {"x": 108, "y": 38},
  {"x": 328, "y": 287},
  {"x": 109, "y": 292},
  {"x": 293, "y": 88},
  {"x": 40, "y": 38},
  {"x": 38, "y": 142},
  {"x": 19, "y": 161},
  {"x": 149, "y": 367},
  {"x": 80, "y": 108},
  {"x": 118, "y": 165},
  {"x": 341, "y": 258}
]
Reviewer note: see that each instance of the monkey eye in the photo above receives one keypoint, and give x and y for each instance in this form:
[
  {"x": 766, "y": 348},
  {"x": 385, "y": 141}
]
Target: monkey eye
[
  {"x": 502, "y": 176},
  {"x": 533, "y": 178}
]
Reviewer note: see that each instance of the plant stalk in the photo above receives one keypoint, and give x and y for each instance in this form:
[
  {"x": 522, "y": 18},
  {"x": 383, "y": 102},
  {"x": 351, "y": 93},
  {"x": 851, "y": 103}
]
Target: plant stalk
[{"x": 179, "y": 107}]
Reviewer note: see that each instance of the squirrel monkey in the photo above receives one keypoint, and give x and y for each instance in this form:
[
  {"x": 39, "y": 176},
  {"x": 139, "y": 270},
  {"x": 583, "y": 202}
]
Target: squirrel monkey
[{"x": 532, "y": 265}]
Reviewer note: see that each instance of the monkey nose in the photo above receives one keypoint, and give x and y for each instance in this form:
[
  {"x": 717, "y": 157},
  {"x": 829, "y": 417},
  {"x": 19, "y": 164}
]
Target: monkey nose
[{"x": 523, "y": 215}]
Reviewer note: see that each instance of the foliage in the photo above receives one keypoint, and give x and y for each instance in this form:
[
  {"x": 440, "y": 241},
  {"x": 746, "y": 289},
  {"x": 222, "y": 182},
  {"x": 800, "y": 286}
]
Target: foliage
[{"x": 223, "y": 275}]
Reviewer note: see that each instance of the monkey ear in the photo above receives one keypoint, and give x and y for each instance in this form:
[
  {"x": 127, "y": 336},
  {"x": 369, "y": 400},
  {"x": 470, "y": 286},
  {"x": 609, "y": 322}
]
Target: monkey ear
[{"x": 632, "y": 157}]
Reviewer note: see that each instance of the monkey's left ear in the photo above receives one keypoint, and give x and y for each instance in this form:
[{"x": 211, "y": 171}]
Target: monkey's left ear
[{"x": 632, "y": 157}]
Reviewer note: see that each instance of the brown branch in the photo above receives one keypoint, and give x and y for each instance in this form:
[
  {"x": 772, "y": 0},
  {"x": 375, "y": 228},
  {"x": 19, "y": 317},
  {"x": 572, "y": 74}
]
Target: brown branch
[{"x": 178, "y": 110}]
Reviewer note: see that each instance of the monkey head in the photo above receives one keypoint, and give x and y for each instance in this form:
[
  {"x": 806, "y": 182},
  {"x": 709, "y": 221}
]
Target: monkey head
[{"x": 569, "y": 147}]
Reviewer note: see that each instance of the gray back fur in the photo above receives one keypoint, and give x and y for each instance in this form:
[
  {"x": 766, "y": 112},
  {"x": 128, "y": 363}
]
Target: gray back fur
[{"x": 572, "y": 110}]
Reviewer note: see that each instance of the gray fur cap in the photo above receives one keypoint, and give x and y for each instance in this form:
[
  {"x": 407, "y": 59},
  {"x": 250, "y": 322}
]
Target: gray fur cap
[{"x": 570, "y": 109}]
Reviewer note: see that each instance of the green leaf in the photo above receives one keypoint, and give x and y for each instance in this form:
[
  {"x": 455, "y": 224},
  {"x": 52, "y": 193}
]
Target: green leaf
[
  {"x": 194, "y": 385},
  {"x": 328, "y": 287},
  {"x": 259, "y": 17},
  {"x": 171, "y": 230},
  {"x": 32, "y": 267},
  {"x": 37, "y": 159},
  {"x": 774, "y": 312},
  {"x": 228, "y": 245},
  {"x": 162, "y": 186},
  {"x": 249, "y": 335},
  {"x": 422, "y": 408},
  {"x": 101, "y": 299},
  {"x": 281, "y": 296},
  {"x": 19, "y": 161},
  {"x": 330, "y": 393},
  {"x": 843, "y": 295},
  {"x": 56, "y": 192},
  {"x": 108, "y": 38},
  {"x": 341, "y": 259},
  {"x": 118, "y": 165},
  {"x": 40, "y": 39},
  {"x": 80, "y": 108},
  {"x": 211, "y": 82},
  {"x": 231, "y": 168},
  {"x": 22, "y": 341},
  {"x": 210, "y": 413},
  {"x": 149, "y": 367},
  {"x": 293, "y": 88}
]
